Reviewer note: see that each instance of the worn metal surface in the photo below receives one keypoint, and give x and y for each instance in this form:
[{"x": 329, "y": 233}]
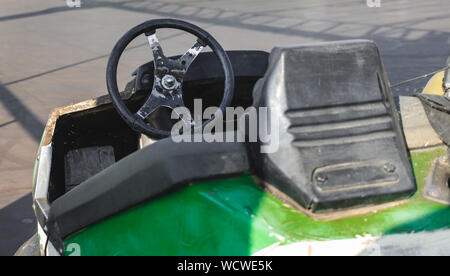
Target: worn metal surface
[
  {"x": 416, "y": 126},
  {"x": 168, "y": 79},
  {"x": 434, "y": 243},
  {"x": 446, "y": 80},
  {"x": 438, "y": 182},
  {"x": 30, "y": 247}
]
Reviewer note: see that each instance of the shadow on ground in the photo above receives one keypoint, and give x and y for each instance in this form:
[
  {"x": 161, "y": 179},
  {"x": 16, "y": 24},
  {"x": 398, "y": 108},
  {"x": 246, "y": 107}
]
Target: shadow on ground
[
  {"x": 17, "y": 225},
  {"x": 17, "y": 221},
  {"x": 21, "y": 113}
]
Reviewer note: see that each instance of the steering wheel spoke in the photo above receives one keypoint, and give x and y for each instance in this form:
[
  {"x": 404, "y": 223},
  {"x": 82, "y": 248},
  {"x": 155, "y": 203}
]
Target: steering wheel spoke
[
  {"x": 172, "y": 101},
  {"x": 177, "y": 101},
  {"x": 157, "y": 51},
  {"x": 191, "y": 54},
  {"x": 155, "y": 100}
]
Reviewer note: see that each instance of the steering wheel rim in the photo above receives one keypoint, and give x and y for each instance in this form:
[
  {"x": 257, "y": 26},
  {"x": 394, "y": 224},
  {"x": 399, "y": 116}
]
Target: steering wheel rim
[{"x": 148, "y": 28}]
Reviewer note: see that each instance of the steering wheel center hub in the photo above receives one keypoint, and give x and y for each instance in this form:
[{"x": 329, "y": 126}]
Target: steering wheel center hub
[{"x": 169, "y": 82}]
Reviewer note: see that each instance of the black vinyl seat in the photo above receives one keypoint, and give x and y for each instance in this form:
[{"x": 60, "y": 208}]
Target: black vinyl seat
[{"x": 341, "y": 143}]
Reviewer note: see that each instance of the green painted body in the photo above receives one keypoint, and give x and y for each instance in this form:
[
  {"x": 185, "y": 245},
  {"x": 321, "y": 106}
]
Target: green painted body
[{"x": 236, "y": 217}]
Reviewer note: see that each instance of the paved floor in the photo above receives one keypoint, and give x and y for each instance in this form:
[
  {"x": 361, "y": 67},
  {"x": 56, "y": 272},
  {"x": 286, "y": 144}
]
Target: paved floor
[{"x": 53, "y": 55}]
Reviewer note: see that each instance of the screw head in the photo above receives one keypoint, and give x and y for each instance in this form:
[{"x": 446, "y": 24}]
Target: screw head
[
  {"x": 389, "y": 167},
  {"x": 169, "y": 82},
  {"x": 321, "y": 178}
]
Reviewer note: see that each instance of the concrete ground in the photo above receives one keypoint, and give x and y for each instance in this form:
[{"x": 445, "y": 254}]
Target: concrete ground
[{"x": 52, "y": 55}]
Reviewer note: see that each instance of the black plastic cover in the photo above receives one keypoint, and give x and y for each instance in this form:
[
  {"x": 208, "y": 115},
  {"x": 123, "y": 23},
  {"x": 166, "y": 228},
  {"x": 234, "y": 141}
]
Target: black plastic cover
[{"x": 341, "y": 144}]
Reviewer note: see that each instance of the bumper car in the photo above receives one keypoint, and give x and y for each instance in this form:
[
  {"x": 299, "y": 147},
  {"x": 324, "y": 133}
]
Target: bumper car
[{"x": 336, "y": 165}]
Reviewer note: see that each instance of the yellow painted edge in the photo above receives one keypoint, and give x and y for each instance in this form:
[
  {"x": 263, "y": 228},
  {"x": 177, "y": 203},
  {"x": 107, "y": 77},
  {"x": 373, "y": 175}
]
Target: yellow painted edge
[{"x": 434, "y": 85}]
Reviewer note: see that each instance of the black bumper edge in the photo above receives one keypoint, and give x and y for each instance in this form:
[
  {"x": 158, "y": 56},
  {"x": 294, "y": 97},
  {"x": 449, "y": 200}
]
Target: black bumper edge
[{"x": 144, "y": 175}]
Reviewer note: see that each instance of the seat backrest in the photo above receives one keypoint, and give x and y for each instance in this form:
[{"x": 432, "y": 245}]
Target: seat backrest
[{"x": 340, "y": 140}]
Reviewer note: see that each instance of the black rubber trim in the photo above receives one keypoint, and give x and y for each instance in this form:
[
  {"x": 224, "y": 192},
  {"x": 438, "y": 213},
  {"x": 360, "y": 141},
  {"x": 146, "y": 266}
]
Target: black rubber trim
[
  {"x": 148, "y": 27},
  {"x": 141, "y": 176}
]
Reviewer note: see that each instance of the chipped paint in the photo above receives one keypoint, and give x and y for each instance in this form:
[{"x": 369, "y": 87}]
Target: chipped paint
[{"x": 82, "y": 106}]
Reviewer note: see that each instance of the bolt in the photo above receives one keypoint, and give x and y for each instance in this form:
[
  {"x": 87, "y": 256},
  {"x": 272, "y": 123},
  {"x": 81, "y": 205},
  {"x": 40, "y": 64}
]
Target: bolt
[
  {"x": 389, "y": 167},
  {"x": 321, "y": 178},
  {"x": 169, "y": 82}
]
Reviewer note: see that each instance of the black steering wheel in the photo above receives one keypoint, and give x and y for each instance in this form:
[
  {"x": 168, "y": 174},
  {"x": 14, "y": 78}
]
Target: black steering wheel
[{"x": 168, "y": 74}]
